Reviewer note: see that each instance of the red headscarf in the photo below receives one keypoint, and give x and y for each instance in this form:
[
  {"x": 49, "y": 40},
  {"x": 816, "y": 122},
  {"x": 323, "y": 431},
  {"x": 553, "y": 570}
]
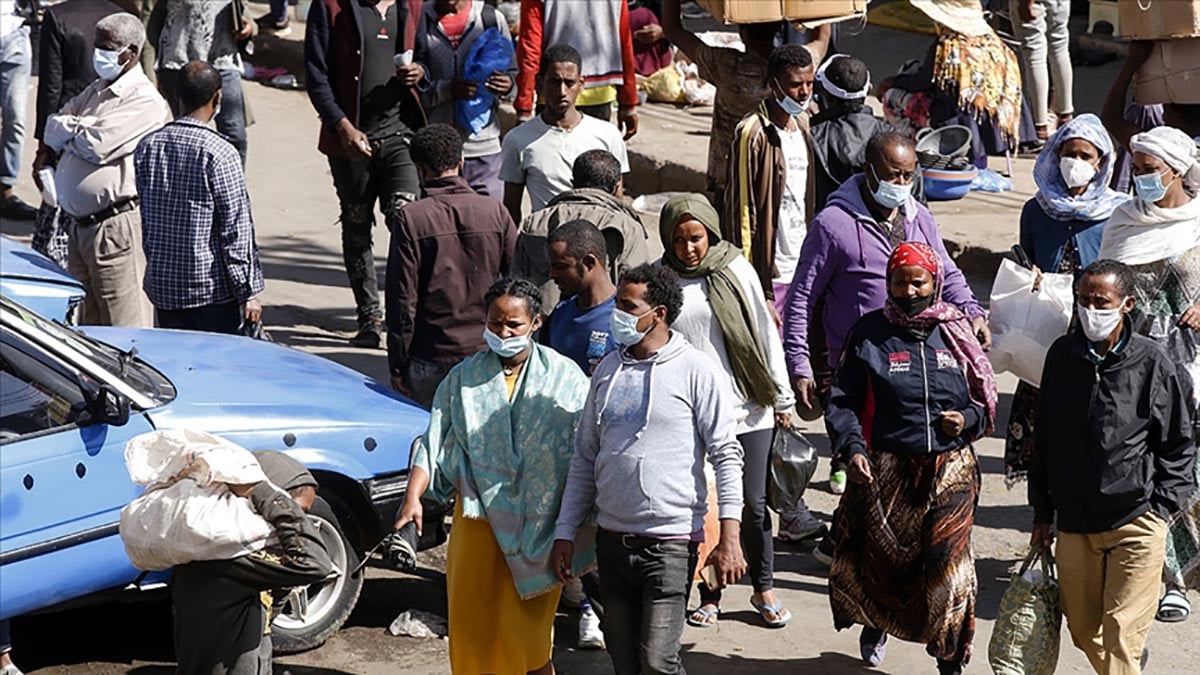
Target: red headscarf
[{"x": 956, "y": 329}]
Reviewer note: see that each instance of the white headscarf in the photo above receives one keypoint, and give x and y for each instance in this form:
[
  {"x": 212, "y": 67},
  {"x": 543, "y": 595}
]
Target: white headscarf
[{"x": 1175, "y": 148}]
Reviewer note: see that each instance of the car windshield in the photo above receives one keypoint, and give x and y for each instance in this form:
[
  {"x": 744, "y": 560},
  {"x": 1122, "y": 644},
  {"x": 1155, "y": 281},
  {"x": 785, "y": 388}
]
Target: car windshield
[{"x": 125, "y": 365}]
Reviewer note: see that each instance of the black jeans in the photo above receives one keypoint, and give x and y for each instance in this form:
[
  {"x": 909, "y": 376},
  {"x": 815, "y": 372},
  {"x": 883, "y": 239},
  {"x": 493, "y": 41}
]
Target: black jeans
[
  {"x": 643, "y": 585},
  {"x": 757, "y": 540},
  {"x": 225, "y": 317},
  {"x": 387, "y": 176}
]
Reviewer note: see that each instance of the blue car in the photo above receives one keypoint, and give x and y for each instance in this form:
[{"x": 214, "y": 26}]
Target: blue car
[
  {"x": 39, "y": 283},
  {"x": 70, "y": 399}
]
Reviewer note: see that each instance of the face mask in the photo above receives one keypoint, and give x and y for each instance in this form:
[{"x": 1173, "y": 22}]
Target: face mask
[
  {"x": 790, "y": 105},
  {"x": 890, "y": 195},
  {"x": 624, "y": 328},
  {"x": 914, "y": 305},
  {"x": 1149, "y": 187},
  {"x": 1076, "y": 172},
  {"x": 107, "y": 64},
  {"x": 505, "y": 347},
  {"x": 1098, "y": 324}
]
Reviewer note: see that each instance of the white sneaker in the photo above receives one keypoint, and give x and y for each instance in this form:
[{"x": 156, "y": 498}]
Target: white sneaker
[
  {"x": 572, "y": 595},
  {"x": 10, "y": 669},
  {"x": 799, "y": 524},
  {"x": 590, "y": 635}
]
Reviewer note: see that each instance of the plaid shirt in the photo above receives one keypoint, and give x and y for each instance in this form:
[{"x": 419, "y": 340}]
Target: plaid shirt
[{"x": 196, "y": 224}]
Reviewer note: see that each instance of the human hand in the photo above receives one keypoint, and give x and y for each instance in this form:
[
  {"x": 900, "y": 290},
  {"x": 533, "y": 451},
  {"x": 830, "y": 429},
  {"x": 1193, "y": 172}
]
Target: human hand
[
  {"x": 982, "y": 332},
  {"x": 252, "y": 311},
  {"x": 354, "y": 141},
  {"x": 304, "y": 496},
  {"x": 411, "y": 512},
  {"x": 43, "y": 158},
  {"x": 242, "y": 489},
  {"x": 953, "y": 423},
  {"x": 499, "y": 83},
  {"x": 246, "y": 32},
  {"x": 648, "y": 34},
  {"x": 410, "y": 74},
  {"x": 1037, "y": 278},
  {"x": 463, "y": 90},
  {"x": 775, "y": 315},
  {"x": 783, "y": 419},
  {"x": 627, "y": 121},
  {"x": 858, "y": 469},
  {"x": 1042, "y": 536},
  {"x": 1191, "y": 318},
  {"x": 806, "y": 391},
  {"x": 401, "y": 386},
  {"x": 729, "y": 563},
  {"x": 1138, "y": 52},
  {"x": 1025, "y": 11},
  {"x": 561, "y": 555}
]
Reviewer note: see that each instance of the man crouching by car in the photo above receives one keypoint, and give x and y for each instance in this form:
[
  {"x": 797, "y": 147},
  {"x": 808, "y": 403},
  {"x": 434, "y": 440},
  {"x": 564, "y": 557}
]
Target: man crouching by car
[{"x": 221, "y": 610}]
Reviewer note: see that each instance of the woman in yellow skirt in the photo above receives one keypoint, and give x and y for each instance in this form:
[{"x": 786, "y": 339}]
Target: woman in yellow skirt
[{"x": 501, "y": 434}]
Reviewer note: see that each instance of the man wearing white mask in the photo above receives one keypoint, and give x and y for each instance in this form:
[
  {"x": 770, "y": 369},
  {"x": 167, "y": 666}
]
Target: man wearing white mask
[
  {"x": 1113, "y": 461},
  {"x": 93, "y": 139}
]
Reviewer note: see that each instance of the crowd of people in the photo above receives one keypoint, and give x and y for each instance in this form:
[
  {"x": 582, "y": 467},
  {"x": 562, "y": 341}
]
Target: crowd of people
[{"x": 602, "y": 421}]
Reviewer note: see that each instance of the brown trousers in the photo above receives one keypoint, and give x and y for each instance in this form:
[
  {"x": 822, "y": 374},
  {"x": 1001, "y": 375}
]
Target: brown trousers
[
  {"x": 1108, "y": 586},
  {"x": 108, "y": 260}
]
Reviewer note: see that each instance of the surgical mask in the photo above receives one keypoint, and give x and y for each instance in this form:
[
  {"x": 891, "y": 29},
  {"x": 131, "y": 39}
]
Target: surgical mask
[
  {"x": 1098, "y": 324},
  {"x": 505, "y": 347},
  {"x": 912, "y": 306},
  {"x": 107, "y": 64},
  {"x": 790, "y": 105},
  {"x": 1149, "y": 187},
  {"x": 1076, "y": 172},
  {"x": 624, "y": 328},
  {"x": 890, "y": 195}
]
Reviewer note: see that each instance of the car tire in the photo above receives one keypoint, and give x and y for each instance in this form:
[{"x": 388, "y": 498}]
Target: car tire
[{"x": 306, "y": 623}]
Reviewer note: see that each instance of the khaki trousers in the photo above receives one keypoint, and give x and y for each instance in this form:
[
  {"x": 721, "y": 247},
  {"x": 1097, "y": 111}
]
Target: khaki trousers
[
  {"x": 108, "y": 260},
  {"x": 1108, "y": 586}
]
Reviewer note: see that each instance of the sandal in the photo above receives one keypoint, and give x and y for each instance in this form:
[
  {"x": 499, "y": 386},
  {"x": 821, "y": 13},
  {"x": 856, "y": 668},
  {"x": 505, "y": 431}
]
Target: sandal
[
  {"x": 782, "y": 616},
  {"x": 704, "y": 618},
  {"x": 1173, "y": 607}
]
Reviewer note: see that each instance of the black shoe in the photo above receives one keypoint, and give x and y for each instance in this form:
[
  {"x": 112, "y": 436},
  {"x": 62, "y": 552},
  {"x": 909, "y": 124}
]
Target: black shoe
[
  {"x": 278, "y": 28},
  {"x": 14, "y": 208},
  {"x": 949, "y": 667},
  {"x": 369, "y": 336},
  {"x": 1145, "y": 658}
]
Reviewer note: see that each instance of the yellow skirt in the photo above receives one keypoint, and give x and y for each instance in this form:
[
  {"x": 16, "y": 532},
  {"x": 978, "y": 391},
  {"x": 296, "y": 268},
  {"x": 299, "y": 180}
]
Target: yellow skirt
[{"x": 492, "y": 630}]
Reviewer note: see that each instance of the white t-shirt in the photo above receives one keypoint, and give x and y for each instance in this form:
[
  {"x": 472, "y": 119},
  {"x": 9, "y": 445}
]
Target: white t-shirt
[
  {"x": 9, "y": 19},
  {"x": 791, "y": 228},
  {"x": 540, "y": 156}
]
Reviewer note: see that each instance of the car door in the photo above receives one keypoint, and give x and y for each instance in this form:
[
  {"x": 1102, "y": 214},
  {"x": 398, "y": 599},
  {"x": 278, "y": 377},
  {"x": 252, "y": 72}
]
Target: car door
[{"x": 62, "y": 483}]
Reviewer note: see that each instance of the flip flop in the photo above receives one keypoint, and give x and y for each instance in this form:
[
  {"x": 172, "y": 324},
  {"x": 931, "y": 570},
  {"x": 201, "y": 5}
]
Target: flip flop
[
  {"x": 1174, "y": 607},
  {"x": 784, "y": 615},
  {"x": 700, "y": 617}
]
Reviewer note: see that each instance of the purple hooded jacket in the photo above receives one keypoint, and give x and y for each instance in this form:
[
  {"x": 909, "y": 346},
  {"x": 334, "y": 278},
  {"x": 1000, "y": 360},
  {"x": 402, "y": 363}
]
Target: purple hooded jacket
[{"x": 844, "y": 257}]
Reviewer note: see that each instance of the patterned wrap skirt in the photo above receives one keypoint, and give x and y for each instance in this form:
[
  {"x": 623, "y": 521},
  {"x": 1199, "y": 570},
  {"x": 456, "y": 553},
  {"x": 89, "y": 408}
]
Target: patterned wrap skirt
[{"x": 902, "y": 560}]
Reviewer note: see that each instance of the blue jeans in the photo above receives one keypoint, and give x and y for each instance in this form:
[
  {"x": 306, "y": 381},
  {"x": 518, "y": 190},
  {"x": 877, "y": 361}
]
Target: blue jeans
[
  {"x": 279, "y": 10},
  {"x": 15, "y": 59},
  {"x": 644, "y": 585}
]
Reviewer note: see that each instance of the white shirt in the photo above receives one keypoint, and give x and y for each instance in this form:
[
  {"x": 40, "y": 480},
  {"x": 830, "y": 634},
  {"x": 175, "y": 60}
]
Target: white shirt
[
  {"x": 539, "y": 156},
  {"x": 791, "y": 228},
  {"x": 9, "y": 19}
]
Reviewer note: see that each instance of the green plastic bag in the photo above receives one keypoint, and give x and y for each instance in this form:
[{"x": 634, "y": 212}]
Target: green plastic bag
[{"x": 1026, "y": 636}]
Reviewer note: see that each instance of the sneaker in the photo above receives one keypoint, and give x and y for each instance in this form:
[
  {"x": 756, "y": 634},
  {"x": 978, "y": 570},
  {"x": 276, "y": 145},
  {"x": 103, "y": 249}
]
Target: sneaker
[
  {"x": 693, "y": 10},
  {"x": 10, "y": 669},
  {"x": 872, "y": 646},
  {"x": 799, "y": 525},
  {"x": 369, "y": 335},
  {"x": 837, "y": 482},
  {"x": 823, "y": 553},
  {"x": 590, "y": 635}
]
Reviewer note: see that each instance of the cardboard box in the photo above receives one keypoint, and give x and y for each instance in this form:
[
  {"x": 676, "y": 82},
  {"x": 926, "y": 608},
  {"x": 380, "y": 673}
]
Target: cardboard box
[
  {"x": 1160, "y": 19},
  {"x": 1171, "y": 74},
  {"x": 762, "y": 11}
]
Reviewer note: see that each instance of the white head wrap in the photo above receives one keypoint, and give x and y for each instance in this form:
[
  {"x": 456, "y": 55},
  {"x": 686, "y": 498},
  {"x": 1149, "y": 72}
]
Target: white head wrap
[
  {"x": 1174, "y": 148},
  {"x": 835, "y": 89}
]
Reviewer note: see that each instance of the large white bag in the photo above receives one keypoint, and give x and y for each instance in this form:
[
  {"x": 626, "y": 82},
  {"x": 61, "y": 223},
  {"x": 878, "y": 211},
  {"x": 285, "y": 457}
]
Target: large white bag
[
  {"x": 1024, "y": 324},
  {"x": 188, "y": 512}
]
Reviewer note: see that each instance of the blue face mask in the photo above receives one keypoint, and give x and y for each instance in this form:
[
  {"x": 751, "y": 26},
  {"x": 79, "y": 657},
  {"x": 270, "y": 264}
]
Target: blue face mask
[
  {"x": 790, "y": 105},
  {"x": 624, "y": 328},
  {"x": 1149, "y": 187},
  {"x": 890, "y": 195},
  {"x": 505, "y": 347}
]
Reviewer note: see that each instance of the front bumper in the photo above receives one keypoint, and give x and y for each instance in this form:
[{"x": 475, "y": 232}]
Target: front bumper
[{"x": 387, "y": 496}]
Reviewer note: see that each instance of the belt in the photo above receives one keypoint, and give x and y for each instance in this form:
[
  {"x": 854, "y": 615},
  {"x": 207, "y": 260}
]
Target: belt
[
  {"x": 638, "y": 540},
  {"x": 106, "y": 213}
]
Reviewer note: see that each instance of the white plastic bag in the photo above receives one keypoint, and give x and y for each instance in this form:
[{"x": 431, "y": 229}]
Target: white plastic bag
[
  {"x": 188, "y": 513},
  {"x": 1024, "y": 324}
]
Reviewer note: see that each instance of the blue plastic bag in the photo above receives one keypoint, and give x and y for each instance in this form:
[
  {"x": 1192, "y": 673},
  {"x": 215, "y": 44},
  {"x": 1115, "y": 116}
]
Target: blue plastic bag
[
  {"x": 990, "y": 181},
  {"x": 490, "y": 52}
]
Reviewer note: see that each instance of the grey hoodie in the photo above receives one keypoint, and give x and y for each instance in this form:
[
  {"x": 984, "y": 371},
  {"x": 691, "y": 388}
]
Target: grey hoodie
[{"x": 646, "y": 429}]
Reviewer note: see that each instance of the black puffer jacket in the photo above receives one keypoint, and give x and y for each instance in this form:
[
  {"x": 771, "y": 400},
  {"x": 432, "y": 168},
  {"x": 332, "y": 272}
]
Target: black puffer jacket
[{"x": 1113, "y": 440}]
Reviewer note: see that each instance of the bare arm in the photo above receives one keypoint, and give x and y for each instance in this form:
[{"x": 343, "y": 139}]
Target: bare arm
[
  {"x": 672, "y": 24},
  {"x": 1113, "y": 112}
]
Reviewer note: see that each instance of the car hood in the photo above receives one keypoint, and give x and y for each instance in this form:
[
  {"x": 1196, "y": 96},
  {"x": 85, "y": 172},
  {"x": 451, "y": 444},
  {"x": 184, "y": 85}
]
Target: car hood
[
  {"x": 18, "y": 261},
  {"x": 234, "y": 385}
]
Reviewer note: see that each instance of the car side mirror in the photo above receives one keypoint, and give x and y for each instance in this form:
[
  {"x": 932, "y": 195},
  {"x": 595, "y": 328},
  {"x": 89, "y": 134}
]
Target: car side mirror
[{"x": 107, "y": 406}]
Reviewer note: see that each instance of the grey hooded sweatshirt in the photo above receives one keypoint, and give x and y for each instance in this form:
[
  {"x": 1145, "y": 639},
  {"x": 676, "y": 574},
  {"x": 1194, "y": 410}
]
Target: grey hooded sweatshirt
[{"x": 646, "y": 429}]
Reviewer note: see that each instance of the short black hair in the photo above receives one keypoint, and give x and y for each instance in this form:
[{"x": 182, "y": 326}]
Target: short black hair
[
  {"x": 788, "y": 56},
  {"x": 1126, "y": 281},
  {"x": 437, "y": 147},
  {"x": 597, "y": 169},
  {"x": 198, "y": 82},
  {"x": 560, "y": 54},
  {"x": 523, "y": 289},
  {"x": 883, "y": 140},
  {"x": 848, "y": 73},
  {"x": 662, "y": 287},
  {"x": 582, "y": 238}
]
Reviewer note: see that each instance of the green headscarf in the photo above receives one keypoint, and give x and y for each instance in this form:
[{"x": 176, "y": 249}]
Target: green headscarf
[{"x": 729, "y": 303}]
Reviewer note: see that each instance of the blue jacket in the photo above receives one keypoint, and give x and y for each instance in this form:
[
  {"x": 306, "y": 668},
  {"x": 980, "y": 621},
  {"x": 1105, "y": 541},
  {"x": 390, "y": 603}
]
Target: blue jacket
[
  {"x": 1044, "y": 238},
  {"x": 890, "y": 390}
]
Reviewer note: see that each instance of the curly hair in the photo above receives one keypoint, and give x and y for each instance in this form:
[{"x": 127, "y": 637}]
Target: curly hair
[
  {"x": 522, "y": 289},
  {"x": 437, "y": 147},
  {"x": 662, "y": 287}
]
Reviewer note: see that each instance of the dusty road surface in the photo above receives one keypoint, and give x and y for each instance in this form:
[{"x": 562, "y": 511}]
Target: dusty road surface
[{"x": 309, "y": 307}]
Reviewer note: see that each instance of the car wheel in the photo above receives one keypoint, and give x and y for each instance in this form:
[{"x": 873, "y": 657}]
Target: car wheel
[{"x": 310, "y": 614}]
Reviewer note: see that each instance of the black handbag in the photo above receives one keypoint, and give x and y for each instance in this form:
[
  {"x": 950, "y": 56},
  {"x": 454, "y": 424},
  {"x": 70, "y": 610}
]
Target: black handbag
[{"x": 793, "y": 463}]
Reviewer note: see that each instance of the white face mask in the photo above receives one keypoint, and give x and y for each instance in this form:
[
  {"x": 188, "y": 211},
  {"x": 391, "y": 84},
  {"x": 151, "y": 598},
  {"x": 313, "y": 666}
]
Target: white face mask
[
  {"x": 107, "y": 64},
  {"x": 1076, "y": 172},
  {"x": 1098, "y": 324},
  {"x": 505, "y": 347}
]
